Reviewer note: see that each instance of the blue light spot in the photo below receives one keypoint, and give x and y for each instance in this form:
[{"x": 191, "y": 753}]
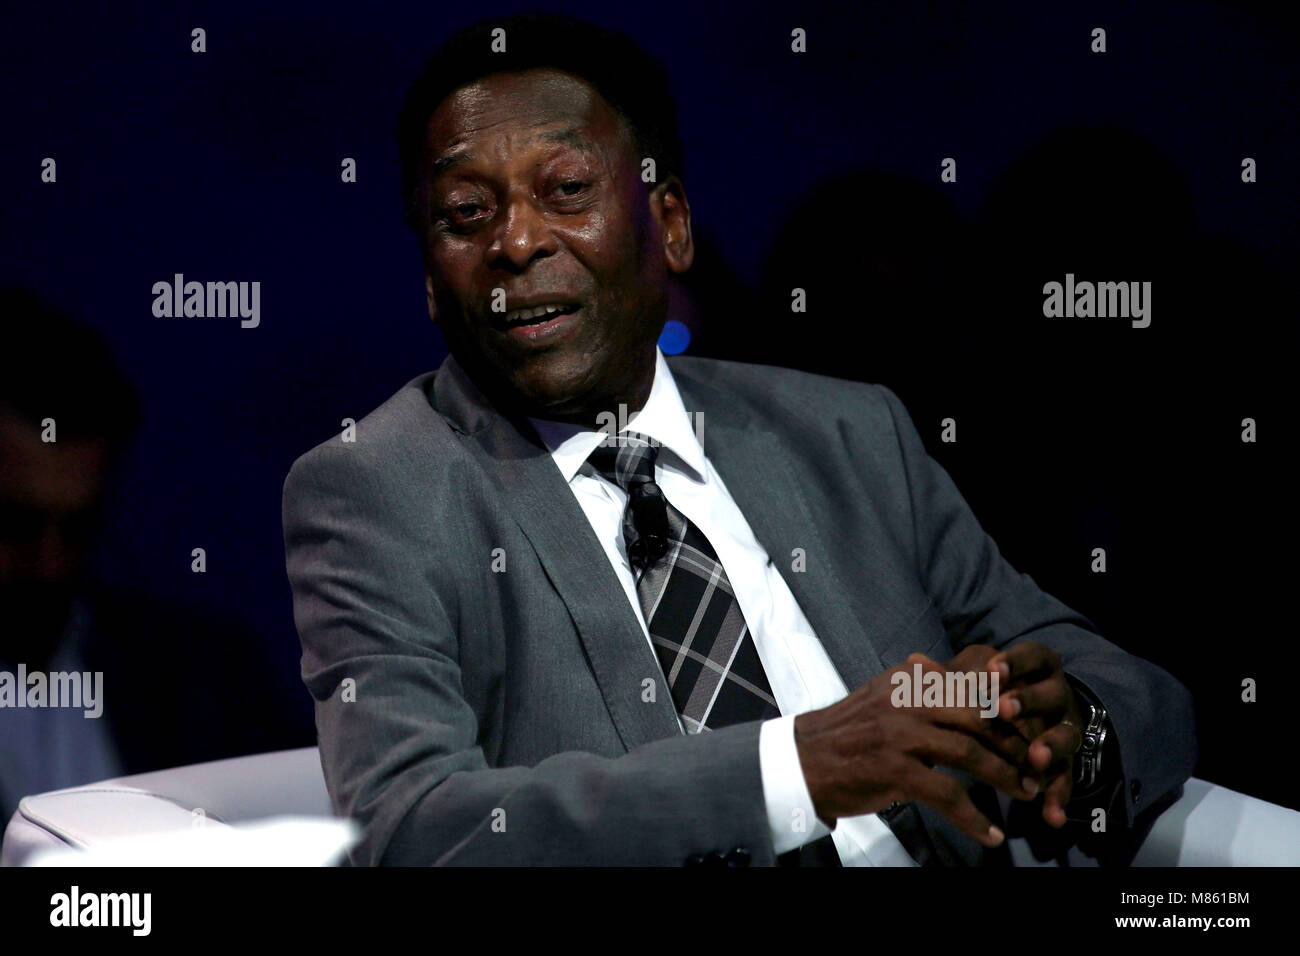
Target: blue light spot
[{"x": 675, "y": 337}]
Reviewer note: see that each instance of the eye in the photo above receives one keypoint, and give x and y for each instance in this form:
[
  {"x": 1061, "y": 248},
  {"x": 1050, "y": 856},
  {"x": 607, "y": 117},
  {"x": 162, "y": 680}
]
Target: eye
[
  {"x": 462, "y": 215},
  {"x": 571, "y": 188}
]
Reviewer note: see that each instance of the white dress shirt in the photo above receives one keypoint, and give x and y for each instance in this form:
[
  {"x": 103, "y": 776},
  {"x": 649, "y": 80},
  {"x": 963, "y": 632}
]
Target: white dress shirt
[{"x": 800, "y": 673}]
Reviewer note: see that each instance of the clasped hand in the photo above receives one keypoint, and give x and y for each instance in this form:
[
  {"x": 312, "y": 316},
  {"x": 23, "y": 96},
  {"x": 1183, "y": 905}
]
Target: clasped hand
[{"x": 867, "y": 751}]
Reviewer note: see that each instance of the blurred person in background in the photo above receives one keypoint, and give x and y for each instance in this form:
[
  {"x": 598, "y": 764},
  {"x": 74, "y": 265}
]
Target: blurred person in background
[{"x": 178, "y": 686}]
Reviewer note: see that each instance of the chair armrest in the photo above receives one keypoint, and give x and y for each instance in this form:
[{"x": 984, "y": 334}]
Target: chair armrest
[
  {"x": 1214, "y": 826},
  {"x": 1208, "y": 825},
  {"x": 221, "y": 792}
]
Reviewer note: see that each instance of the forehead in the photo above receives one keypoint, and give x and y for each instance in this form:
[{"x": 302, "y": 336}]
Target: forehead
[{"x": 517, "y": 109}]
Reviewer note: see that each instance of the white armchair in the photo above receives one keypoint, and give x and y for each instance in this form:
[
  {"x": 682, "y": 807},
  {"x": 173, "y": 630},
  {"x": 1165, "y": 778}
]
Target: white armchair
[
  {"x": 217, "y": 795},
  {"x": 1209, "y": 826}
]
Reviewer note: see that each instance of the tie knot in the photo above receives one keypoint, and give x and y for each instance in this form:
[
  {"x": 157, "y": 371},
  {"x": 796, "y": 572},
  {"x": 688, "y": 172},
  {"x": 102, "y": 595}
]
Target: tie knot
[{"x": 627, "y": 459}]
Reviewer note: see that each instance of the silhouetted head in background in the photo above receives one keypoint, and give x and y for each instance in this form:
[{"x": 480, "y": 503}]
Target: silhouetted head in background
[
  {"x": 65, "y": 415},
  {"x": 548, "y": 256},
  {"x": 879, "y": 260}
]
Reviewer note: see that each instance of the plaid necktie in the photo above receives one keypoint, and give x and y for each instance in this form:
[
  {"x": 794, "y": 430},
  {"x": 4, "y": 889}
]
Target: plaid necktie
[
  {"x": 698, "y": 631},
  {"x": 699, "y": 634}
]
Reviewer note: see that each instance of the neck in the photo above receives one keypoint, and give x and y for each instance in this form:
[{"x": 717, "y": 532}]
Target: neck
[{"x": 591, "y": 410}]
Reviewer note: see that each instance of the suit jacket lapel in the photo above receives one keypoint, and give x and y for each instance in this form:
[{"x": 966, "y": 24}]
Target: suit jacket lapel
[
  {"x": 754, "y": 463},
  {"x": 760, "y": 482},
  {"x": 548, "y": 514}
]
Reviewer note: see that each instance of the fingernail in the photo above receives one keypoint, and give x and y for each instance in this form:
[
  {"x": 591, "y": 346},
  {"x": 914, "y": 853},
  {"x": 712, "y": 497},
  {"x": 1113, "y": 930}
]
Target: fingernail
[
  {"x": 997, "y": 835},
  {"x": 1015, "y": 705},
  {"x": 1030, "y": 785}
]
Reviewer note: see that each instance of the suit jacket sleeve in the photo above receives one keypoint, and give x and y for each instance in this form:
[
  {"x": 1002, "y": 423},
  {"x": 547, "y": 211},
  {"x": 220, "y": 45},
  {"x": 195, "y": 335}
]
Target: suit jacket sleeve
[
  {"x": 398, "y": 739},
  {"x": 983, "y": 599}
]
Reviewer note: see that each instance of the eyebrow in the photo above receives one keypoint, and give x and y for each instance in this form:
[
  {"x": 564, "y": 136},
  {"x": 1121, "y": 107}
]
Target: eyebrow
[{"x": 569, "y": 136}]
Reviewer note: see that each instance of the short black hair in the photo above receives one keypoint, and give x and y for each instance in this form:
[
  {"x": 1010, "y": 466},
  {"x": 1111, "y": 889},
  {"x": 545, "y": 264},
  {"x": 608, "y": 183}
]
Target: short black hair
[
  {"x": 53, "y": 366},
  {"x": 633, "y": 83}
]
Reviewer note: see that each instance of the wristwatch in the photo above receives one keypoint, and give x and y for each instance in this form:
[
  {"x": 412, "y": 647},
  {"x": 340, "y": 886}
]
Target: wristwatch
[{"x": 1087, "y": 762}]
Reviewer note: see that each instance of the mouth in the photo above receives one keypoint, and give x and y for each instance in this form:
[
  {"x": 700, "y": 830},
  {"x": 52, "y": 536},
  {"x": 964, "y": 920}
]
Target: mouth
[
  {"x": 536, "y": 314},
  {"x": 538, "y": 323}
]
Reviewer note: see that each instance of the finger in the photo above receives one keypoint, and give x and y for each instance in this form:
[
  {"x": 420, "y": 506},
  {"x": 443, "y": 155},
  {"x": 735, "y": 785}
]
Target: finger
[
  {"x": 1000, "y": 735},
  {"x": 927, "y": 664},
  {"x": 1028, "y": 730},
  {"x": 974, "y": 718},
  {"x": 1005, "y": 738},
  {"x": 946, "y": 794},
  {"x": 1056, "y": 796},
  {"x": 959, "y": 751},
  {"x": 972, "y": 657},
  {"x": 1054, "y": 746},
  {"x": 1024, "y": 660},
  {"x": 1045, "y": 698},
  {"x": 965, "y": 716}
]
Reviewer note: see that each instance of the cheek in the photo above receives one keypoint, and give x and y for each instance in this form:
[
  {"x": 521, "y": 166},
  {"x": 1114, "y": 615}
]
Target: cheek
[
  {"x": 611, "y": 247},
  {"x": 444, "y": 257},
  {"x": 452, "y": 267},
  {"x": 597, "y": 229}
]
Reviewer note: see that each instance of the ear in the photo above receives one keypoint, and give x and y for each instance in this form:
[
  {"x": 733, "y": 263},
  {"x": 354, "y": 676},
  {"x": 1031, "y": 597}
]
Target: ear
[
  {"x": 428, "y": 292},
  {"x": 671, "y": 208}
]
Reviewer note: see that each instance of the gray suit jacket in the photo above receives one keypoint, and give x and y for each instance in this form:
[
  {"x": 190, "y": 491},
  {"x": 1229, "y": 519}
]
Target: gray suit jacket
[{"x": 475, "y": 715}]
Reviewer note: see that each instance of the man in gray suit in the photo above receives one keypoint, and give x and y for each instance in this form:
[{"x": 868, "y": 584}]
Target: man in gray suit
[{"x": 568, "y": 601}]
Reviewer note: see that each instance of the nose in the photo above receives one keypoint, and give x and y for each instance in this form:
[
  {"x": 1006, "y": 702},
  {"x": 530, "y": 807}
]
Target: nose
[{"x": 522, "y": 235}]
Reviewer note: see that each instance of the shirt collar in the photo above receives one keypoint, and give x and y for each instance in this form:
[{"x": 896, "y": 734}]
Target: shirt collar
[{"x": 663, "y": 418}]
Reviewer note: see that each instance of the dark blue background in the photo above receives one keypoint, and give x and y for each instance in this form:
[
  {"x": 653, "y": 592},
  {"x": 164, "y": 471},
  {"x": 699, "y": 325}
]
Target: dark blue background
[{"x": 225, "y": 166}]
